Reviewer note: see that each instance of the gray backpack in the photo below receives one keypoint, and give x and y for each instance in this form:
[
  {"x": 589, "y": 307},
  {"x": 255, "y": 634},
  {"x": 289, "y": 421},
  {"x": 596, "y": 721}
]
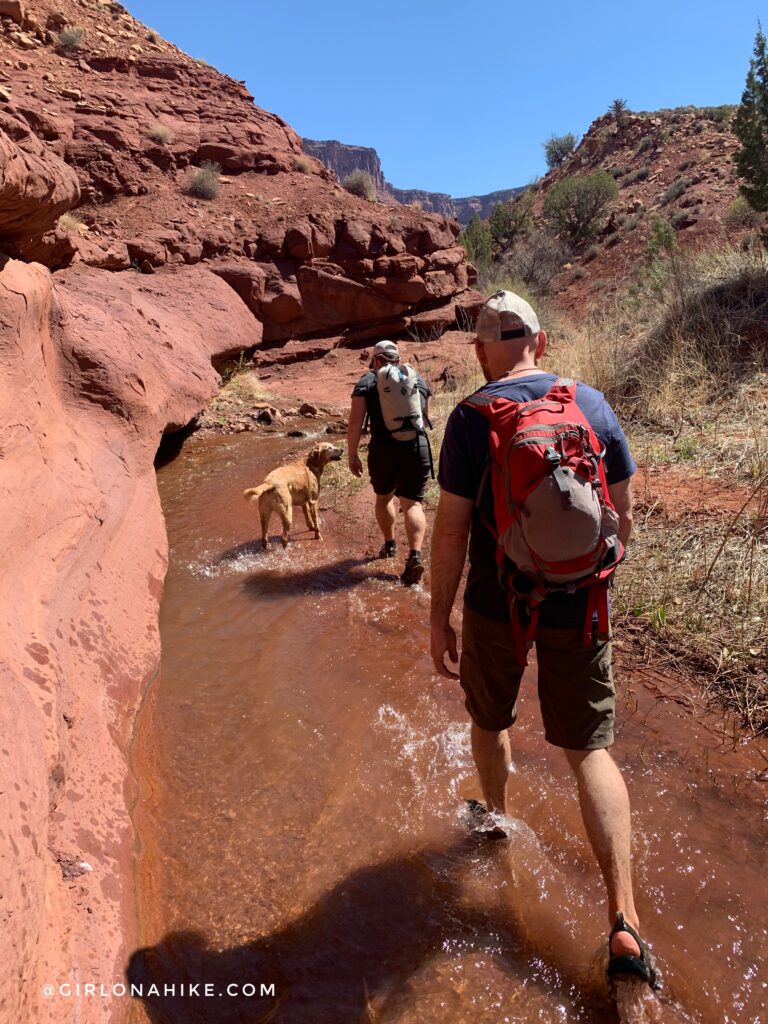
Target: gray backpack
[{"x": 400, "y": 399}]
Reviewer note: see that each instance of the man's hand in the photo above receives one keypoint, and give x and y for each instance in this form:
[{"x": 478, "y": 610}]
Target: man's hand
[
  {"x": 355, "y": 465},
  {"x": 443, "y": 641}
]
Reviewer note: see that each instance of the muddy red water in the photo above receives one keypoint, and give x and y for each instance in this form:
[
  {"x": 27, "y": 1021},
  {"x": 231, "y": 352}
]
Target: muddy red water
[{"x": 302, "y": 774}]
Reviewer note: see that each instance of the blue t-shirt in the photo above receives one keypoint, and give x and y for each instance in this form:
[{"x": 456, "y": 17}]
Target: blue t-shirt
[{"x": 463, "y": 459}]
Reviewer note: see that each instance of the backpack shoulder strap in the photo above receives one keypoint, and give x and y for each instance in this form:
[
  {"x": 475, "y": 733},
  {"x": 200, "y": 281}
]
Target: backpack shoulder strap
[{"x": 478, "y": 401}]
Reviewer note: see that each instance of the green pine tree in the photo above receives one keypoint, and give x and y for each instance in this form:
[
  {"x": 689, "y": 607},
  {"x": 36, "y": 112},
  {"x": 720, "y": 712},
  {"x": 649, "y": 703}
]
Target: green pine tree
[
  {"x": 476, "y": 239},
  {"x": 750, "y": 125}
]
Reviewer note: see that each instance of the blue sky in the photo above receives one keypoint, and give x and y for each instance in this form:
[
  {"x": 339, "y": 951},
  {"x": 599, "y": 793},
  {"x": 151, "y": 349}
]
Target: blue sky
[{"x": 458, "y": 97}]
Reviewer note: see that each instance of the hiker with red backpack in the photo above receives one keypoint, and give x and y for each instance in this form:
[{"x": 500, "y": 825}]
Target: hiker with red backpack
[{"x": 535, "y": 483}]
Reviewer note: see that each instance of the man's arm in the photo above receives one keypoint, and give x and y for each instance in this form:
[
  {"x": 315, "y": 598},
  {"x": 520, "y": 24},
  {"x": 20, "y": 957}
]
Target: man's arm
[
  {"x": 354, "y": 430},
  {"x": 448, "y": 552},
  {"x": 621, "y": 497}
]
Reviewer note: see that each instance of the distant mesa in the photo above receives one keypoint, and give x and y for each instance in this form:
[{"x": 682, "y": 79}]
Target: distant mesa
[{"x": 342, "y": 159}]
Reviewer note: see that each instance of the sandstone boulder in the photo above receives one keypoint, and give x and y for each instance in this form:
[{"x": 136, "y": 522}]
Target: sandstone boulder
[
  {"x": 330, "y": 299},
  {"x": 113, "y": 256},
  {"x": 36, "y": 186},
  {"x": 13, "y": 9},
  {"x": 248, "y": 280},
  {"x": 445, "y": 258},
  {"x": 282, "y": 301},
  {"x": 403, "y": 289},
  {"x": 440, "y": 284},
  {"x": 299, "y": 241},
  {"x": 141, "y": 249}
]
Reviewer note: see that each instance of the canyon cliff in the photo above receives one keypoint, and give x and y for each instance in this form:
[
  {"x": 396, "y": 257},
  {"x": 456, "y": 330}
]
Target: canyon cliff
[
  {"x": 343, "y": 159},
  {"x": 113, "y": 319}
]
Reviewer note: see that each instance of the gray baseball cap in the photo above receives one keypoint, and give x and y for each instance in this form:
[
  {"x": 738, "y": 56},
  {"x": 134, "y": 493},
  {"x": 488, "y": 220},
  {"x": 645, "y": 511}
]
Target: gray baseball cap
[
  {"x": 386, "y": 349},
  {"x": 505, "y": 315}
]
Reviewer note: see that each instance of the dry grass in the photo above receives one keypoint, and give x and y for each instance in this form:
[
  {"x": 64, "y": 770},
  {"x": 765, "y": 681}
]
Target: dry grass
[
  {"x": 241, "y": 383},
  {"x": 360, "y": 183},
  {"x": 71, "y": 38},
  {"x": 161, "y": 134},
  {"x": 72, "y": 222},
  {"x": 681, "y": 361},
  {"x": 203, "y": 181}
]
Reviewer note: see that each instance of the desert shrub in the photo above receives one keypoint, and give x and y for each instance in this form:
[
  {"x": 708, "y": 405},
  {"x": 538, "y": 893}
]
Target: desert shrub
[
  {"x": 521, "y": 214},
  {"x": 576, "y": 207},
  {"x": 71, "y": 38},
  {"x": 675, "y": 190},
  {"x": 639, "y": 175},
  {"x": 558, "y": 148},
  {"x": 646, "y": 143},
  {"x": 360, "y": 183},
  {"x": 662, "y": 238},
  {"x": 619, "y": 110},
  {"x": 160, "y": 134},
  {"x": 720, "y": 115},
  {"x": 613, "y": 239},
  {"x": 592, "y": 252},
  {"x": 679, "y": 218},
  {"x": 152, "y": 36},
  {"x": 686, "y": 165},
  {"x": 70, "y": 222},
  {"x": 536, "y": 259},
  {"x": 500, "y": 222},
  {"x": 579, "y": 273},
  {"x": 203, "y": 181},
  {"x": 476, "y": 239},
  {"x": 302, "y": 164},
  {"x": 617, "y": 172},
  {"x": 510, "y": 220},
  {"x": 740, "y": 214}
]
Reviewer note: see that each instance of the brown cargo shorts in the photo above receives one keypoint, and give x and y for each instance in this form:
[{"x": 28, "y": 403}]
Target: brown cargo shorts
[{"x": 576, "y": 692}]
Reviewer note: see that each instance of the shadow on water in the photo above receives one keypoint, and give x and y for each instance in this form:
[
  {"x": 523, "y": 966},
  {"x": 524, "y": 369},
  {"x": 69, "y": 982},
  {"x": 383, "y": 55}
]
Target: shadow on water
[
  {"x": 322, "y": 579},
  {"x": 172, "y": 443},
  {"x": 349, "y": 957}
]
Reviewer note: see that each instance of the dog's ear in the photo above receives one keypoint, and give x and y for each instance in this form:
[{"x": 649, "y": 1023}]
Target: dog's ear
[{"x": 315, "y": 458}]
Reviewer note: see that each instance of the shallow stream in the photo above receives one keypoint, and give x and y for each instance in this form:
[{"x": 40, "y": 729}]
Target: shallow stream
[{"x": 302, "y": 774}]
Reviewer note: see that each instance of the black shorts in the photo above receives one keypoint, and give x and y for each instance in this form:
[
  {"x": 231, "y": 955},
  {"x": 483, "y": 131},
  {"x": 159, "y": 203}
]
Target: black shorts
[{"x": 400, "y": 466}]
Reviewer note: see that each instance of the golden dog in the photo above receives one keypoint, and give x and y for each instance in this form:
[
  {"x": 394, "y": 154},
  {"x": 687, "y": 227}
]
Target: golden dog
[{"x": 298, "y": 483}]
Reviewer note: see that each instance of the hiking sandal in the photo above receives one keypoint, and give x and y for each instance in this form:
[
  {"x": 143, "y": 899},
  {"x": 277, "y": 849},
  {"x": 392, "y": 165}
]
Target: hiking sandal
[
  {"x": 483, "y": 824},
  {"x": 624, "y": 965}
]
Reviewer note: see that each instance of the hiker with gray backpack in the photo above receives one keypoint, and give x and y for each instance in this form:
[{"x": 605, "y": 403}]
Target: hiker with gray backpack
[
  {"x": 395, "y": 401},
  {"x": 535, "y": 484}
]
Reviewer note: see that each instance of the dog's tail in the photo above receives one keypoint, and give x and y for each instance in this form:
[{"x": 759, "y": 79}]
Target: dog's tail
[{"x": 254, "y": 493}]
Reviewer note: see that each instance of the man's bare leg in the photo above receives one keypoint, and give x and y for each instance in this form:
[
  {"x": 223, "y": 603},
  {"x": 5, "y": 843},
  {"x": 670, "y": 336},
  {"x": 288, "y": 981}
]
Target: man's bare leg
[
  {"x": 492, "y": 759},
  {"x": 385, "y": 514},
  {"x": 415, "y": 523},
  {"x": 605, "y": 809}
]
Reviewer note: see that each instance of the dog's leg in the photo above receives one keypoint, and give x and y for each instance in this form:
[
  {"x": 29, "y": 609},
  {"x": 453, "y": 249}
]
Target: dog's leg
[
  {"x": 286, "y": 515},
  {"x": 316, "y": 517},
  {"x": 265, "y": 514},
  {"x": 307, "y": 510}
]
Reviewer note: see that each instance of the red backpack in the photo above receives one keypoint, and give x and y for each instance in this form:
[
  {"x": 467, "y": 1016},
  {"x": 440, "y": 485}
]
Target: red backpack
[{"x": 554, "y": 517}]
